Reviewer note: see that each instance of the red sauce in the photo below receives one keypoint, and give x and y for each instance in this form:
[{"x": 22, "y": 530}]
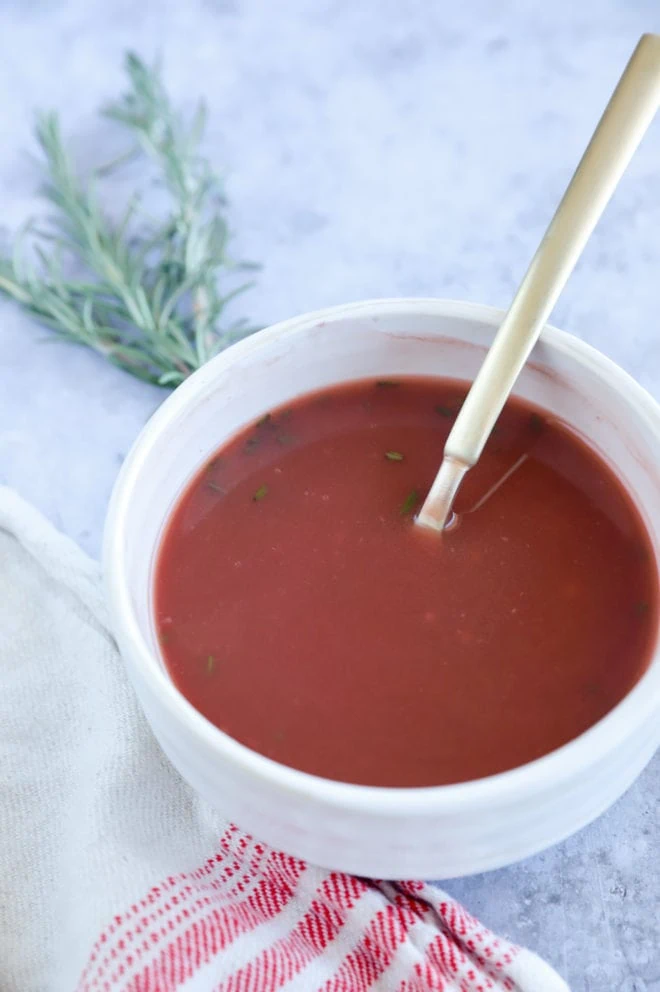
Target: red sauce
[{"x": 301, "y": 611}]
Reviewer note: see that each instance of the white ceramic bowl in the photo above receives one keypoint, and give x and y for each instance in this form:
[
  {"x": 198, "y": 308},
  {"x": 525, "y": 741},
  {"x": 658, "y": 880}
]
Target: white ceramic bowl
[{"x": 389, "y": 833}]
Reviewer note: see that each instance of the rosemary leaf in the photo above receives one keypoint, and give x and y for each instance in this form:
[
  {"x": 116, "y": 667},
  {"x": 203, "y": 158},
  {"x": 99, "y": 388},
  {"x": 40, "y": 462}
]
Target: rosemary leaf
[
  {"x": 260, "y": 493},
  {"x": 394, "y": 456}
]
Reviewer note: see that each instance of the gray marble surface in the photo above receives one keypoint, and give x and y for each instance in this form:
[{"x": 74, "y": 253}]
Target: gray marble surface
[{"x": 372, "y": 147}]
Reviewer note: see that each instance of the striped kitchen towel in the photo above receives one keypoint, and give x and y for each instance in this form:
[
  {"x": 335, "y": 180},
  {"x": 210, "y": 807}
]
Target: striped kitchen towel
[{"x": 115, "y": 877}]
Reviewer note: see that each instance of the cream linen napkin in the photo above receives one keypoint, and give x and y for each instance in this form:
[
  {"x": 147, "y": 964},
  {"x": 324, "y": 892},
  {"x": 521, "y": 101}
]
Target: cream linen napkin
[{"x": 114, "y": 876}]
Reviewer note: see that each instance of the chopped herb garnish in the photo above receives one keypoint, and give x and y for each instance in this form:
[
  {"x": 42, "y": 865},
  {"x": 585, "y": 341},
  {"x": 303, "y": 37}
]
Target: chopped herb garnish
[
  {"x": 394, "y": 456},
  {"x": 285, "y": 439},
  {"x": 445, "y": 411},
  {"x": 210, "y": 664},
  {"x": 163, "y": 636},
  {"x": 263, "y": 420},
  {"x": 252, "y": 443},
  {"x": 213, "y": 464},
  {"x": 386, "y": 383},
  {"x": 409, "y": 503},
  {"x": 641, "y": 607},
  {"x": 260, "y": 493},
  {"x": 536, "y": 423},
  {"x": 216, "y": 488}
]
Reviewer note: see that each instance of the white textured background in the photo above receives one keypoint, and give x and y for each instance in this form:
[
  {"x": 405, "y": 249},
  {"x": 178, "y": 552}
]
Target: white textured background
[{"x": 372, "y": 147}]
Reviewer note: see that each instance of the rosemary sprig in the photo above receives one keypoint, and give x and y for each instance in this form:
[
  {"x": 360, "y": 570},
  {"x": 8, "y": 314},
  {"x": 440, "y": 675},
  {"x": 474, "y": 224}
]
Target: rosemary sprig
[{"x": 146, "y": 297}]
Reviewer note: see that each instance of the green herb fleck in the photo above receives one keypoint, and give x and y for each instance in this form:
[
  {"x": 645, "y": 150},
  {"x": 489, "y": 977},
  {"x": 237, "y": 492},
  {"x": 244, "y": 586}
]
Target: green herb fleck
[
  {"x": 641, "y": 607},
  {"x": 260, "y": 493},
  {"x": 592, "y": 690},
  {"x": 263, "y": 420},
  {"x": 536, "y": 423},
  {"x": 445, "y": 411},
  {"x": 386, "y": 383},
  {"x": 213, "y": 464},
  {"x": 285, "y": 439},
  {"x": 252, "y": 443},
  {"x": 394, "y": 456},
  {"x": 210, "y": 664},
  {"x": 163, "y": 636},
  {"x": 409, "y": 503}
]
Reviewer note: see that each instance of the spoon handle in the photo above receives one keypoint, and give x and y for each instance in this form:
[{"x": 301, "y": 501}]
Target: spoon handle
[{"x": 619, "y": 132}]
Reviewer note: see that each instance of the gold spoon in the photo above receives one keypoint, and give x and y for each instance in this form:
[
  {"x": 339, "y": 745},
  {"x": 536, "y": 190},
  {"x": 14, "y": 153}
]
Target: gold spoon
[{"x": 619, "y": 132}]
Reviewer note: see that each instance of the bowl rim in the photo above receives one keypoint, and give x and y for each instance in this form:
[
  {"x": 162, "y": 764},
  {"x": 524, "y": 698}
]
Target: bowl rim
[{"x": 640, "y": 705}]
